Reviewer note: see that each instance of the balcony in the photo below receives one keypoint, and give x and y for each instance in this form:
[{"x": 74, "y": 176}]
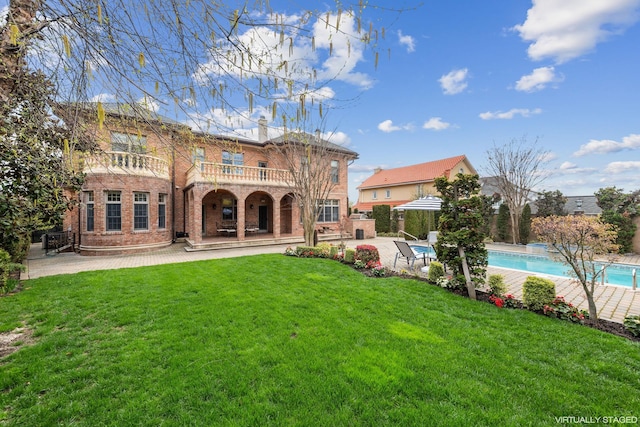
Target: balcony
[
  {"x": 122, "y": 163},
  {"x": 219, "y": 173}
]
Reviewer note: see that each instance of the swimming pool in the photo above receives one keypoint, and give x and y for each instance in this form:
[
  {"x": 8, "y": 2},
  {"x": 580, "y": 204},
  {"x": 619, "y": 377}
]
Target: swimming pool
[{"x": 615, "y": 274}]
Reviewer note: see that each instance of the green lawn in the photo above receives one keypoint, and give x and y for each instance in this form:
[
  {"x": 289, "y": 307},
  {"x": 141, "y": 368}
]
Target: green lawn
[{"x": 275, "y": 340}]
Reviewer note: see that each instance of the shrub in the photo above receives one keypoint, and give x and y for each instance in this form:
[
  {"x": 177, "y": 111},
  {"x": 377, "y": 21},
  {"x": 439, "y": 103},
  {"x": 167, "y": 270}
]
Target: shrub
[
  {"x": 6, "y": 267},
  {"x": 379, "y": 270},
  {"x": 511, "y": 302},
  {"x": 349, "y": 255},
  {"x": 499, "y": 302},
  {"x": 333, "y": 252},
  {"x": 496, "y": 285},
  {"x": 323, "y": 249},
  {"x": 565, "y": 311},
  {"x": 632, "y": 324},
  {"x": 538, "y": 292},
  {"x": 367, "y": 254},
  {"x": 436, "y": 271},
  {"x": 306, "y": 251},
  {"x": 290, "y": 251},
  {"x": 359, "y": 264},
  {"x": 382, "y": 215}
]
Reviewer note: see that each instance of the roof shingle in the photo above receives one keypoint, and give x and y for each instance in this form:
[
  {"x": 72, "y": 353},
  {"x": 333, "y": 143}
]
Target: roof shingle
[{"x": 422, "y": 172}]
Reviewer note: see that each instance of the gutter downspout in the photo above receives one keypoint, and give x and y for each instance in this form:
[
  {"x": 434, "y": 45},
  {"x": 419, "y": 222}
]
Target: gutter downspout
[{"x": 173, "y": 189}]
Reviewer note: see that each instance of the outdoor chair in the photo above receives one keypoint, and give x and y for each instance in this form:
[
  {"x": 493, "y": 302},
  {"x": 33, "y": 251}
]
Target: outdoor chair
[
  {"x": 226, "y": 228},
  {"x": 407, "y": 252},
  {"x": 252, "y": 228}
]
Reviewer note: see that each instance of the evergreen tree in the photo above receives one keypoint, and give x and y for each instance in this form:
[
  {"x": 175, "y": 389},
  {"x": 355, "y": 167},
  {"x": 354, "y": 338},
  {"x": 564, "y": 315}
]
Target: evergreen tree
[
  {"x": 502, "y": 223},
  {"x": 525, "y": 224},
  {"x": 460, "y": 241}
]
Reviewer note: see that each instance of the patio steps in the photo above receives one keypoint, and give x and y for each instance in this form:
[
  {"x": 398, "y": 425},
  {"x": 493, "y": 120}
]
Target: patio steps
[{"x": 231, "y": 244}]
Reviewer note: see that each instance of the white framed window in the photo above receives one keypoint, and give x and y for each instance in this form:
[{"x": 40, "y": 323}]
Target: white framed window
[
  {"x": 128, "y": 142},
  {"x": 335, "y": 171},
  {"x": 162, "y": 211},
  {"x": 374, "y": 196},
  {"x": 89, "y": 210},
  {"x": 328, "y": 210},
  {"x": 387, "y": 194},
  {"x": 114, "y": 211},
  {"x": 236, "y": 159},
  {"x": 140, "y": 211}
]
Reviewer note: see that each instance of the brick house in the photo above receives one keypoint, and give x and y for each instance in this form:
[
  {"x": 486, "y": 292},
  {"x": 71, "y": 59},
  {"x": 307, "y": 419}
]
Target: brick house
[
  {"x": 154, "y": 181},
  {"x": 397, "y": 186}
]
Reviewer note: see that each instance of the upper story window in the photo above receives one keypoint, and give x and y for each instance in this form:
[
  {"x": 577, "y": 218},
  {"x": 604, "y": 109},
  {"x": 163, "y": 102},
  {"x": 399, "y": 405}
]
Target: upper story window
[
  {"x": 374, "y": 196},
  {"x": 197, "y": 154},
  {"x": 387, "y": 194},
  {"x": 128, "y": 142},
  {"x": 236, "y": 159},
  {"x": 335, "y": 171}
]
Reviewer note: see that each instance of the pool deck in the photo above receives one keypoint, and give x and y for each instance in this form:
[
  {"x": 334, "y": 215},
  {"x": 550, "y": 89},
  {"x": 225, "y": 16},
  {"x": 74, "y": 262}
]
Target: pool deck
[{"x": 613, "y": 302}]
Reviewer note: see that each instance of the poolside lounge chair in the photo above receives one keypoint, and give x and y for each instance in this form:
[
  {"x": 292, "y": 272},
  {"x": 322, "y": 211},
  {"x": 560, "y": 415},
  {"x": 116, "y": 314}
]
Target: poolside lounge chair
[{"x": 407, "y": 252}]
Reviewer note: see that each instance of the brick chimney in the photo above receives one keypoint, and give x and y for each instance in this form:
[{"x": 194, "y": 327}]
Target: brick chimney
[{"x": 262, "y": 130}]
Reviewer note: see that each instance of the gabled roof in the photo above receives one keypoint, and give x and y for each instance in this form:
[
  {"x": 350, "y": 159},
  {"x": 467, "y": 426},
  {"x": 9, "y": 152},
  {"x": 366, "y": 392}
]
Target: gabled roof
[
  {"x": 587, "y": 205},
  {"x": 306, "y": 138},
  {"x": 423, "y": 172}
]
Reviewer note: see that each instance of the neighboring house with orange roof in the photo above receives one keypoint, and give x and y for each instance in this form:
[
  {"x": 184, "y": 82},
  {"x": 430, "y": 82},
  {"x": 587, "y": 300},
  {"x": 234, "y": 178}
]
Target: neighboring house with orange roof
[{"x": 401, "y": 185}]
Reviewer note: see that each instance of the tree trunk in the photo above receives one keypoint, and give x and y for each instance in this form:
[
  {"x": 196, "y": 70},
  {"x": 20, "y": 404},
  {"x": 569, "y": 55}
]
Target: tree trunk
[
  {"x": 515, "y": 227},
  {"x": 471, "y": 288}
]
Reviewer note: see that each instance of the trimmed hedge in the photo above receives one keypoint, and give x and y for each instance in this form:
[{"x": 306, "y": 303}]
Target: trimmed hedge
[{"x": 538, "y": 292}]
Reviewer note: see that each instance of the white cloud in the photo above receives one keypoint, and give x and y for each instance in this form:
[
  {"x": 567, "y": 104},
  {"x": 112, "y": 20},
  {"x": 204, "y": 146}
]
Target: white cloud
[
  {"x": 620, "y": 167},
  {"x": 104, "y": 97},
  {"x": 508, "y": 115},
  {"x": 567, "y": 166},
  {"x": 407, "y": 41},
  {"x": 339, "y": 138},
  {"x": 454, "y": 82},
  {"x": 388, "y": 126},
  {"x": 566, "y": 29},
  {"x": 334, "y": 54},
  {"x": 149, "y": 104},
  {"x": 537, "y": 80},
  {"x": 435, "y": 123},
  {"x": 631, "y": 142}
]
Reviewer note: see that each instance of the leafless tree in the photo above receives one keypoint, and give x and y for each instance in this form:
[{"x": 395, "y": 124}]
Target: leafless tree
[
  {"x": 315, "y": 166},
  {"x": 518, "y": 169}
]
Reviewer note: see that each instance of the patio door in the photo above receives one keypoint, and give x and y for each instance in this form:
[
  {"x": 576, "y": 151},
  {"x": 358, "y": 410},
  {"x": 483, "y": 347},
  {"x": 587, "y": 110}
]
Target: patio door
[{"x": 263, "y": 218}]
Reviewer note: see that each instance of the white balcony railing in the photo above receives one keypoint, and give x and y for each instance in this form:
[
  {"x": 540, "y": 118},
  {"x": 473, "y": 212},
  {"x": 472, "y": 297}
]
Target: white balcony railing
[
  {"x": 230, "y": 174},
  {"x": 118, "y": 162}
]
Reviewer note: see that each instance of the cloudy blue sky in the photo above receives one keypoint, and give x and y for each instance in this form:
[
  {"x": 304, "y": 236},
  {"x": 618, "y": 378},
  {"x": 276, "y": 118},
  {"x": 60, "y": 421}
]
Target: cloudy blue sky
[
  {"x": 465, "y": 76},
  {"x": 454, "y": 77}
]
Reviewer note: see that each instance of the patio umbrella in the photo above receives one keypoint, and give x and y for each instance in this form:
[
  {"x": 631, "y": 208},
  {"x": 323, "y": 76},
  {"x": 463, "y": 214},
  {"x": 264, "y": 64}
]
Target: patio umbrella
[{"x": 427, "y": 203}]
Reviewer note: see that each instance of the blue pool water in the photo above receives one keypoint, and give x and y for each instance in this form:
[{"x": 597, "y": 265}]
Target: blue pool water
[{"x": 616, "y": 274}]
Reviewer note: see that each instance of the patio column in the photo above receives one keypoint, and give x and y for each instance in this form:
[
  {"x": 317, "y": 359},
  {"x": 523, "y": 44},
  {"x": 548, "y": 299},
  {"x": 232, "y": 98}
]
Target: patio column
[
  {"x": 240, "y": 220},
  {"x": 196, "y": 215},
  {"x": 276, "y": 219}
]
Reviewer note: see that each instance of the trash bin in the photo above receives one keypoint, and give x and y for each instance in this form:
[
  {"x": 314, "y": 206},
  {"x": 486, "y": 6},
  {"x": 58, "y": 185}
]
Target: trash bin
[{"x": 359, "y": 234}]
